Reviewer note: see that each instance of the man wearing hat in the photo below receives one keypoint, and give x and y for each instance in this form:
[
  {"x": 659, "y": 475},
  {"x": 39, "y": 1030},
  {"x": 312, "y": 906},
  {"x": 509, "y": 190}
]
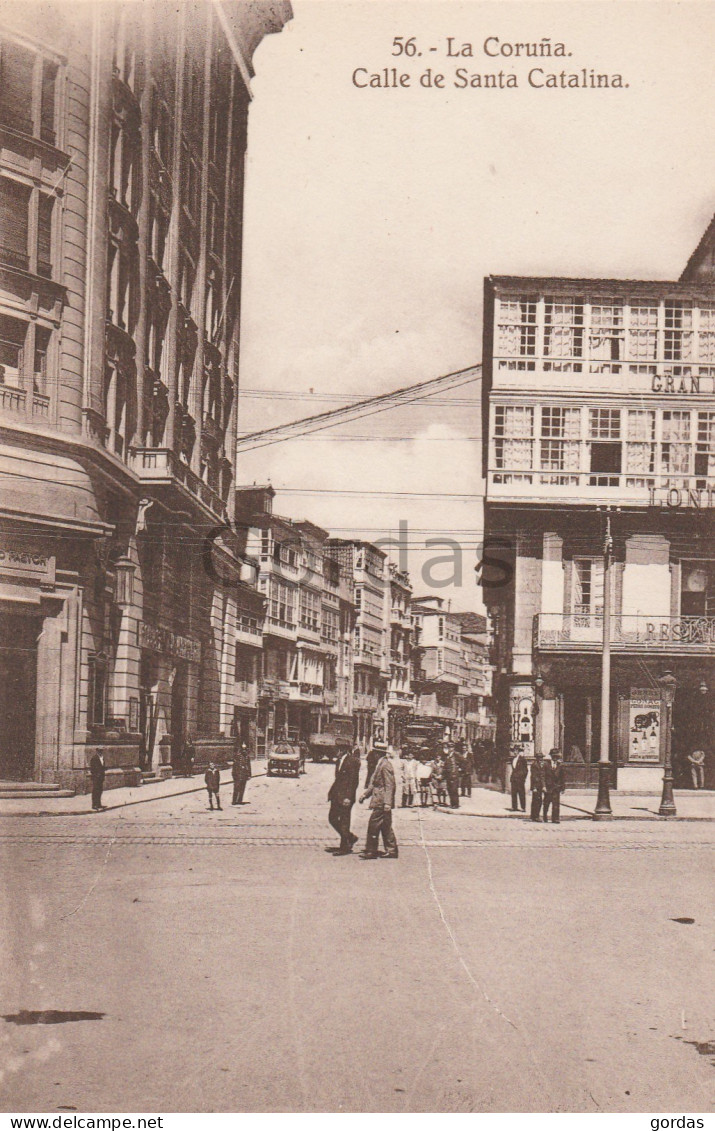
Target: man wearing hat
[
  {"x": 381, "y": 791},
  {"x": 519, "y": 770},
  {"x": 240, "y": 772},
  {"x": 537, "y": 786}
]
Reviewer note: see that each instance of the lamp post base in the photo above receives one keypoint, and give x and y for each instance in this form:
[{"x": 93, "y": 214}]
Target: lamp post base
[
  {"x": 603, "y": 811},
  {"x": 667, "y": 801}
]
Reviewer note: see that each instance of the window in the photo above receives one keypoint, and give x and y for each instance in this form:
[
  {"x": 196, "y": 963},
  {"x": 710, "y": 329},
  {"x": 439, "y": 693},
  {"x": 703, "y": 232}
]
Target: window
[
  {"x": 560, "y": 435},
  {"x": 44, "y": 236},
  {"x": 675, "y": 447},
  {"x": 640, "y": 441},
  {"x": 678, "y": 340},
  {"x": 14, "y": 211},
  {"x": 563, "y": 329},
  {"x": 12, "y": 348},
  {"x": 606, "y": 340},
  {"x": 42, "y": 345},
  {"x": 697, "y": 588},
  {"x": 516, "y": 331},
  {"x": 17, "y": 66},
  {"x": 514, "y": 436},
  {"x": 604, "y": 431},
  {"x": 587, "y": 590},
  {"x": 245, "y": 665},
  {"x": 705, "y": 446},
  {"x": 643, "y": 333},
  {"x": 97, "y": 691},
  {"x": 706, "y": 337},
  {"x": 310, "y": 610},
  {"x": 281, "y": 604},
  {"x": 331, "y": 625}
]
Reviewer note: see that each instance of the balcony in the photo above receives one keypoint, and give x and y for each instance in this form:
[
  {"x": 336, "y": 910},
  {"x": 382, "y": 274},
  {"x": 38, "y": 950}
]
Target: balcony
[
  {"x": 397, "y": 698},
  {"x": 274, "y": 626},
  {"x": 14, "y": 401},
  {"x": 162, "y": 467},
  {"x": 307, "y": 692},
  {"x": 562, "y": 632},
  {"x": 274, "y": 688},
  {"x": 400, "y": 617}
]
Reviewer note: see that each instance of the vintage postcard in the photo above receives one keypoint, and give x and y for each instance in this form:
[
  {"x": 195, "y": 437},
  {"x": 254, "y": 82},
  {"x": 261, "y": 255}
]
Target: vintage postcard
[{"x": 357, "y": 559}]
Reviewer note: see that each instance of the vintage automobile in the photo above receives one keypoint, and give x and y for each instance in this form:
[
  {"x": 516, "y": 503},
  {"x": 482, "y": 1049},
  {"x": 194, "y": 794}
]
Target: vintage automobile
[
  {"x": 424, "y": 740},
  {"x": 335, "y": 740},
  {"x": 286, "y": 756}
]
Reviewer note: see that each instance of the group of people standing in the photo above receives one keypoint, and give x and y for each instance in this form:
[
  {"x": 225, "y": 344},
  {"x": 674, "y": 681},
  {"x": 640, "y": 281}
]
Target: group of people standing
[
  {"x": 393, "y": 779},
  {"x": 547, "y": 783},
  {"x": 240, "y": 773}
]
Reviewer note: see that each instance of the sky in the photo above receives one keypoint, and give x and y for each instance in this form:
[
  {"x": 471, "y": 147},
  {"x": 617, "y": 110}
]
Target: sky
[{"x": 372, "y": 216}]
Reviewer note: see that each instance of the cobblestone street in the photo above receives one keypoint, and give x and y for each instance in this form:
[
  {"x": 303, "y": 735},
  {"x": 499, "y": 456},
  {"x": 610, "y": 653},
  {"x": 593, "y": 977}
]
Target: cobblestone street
[{"x": 471, "y": 974}]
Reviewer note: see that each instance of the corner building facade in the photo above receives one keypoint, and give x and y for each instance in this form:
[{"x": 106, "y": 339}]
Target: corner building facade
[
  {"x": 122, "y": 145},
  {"x": 599, "y": 409}
]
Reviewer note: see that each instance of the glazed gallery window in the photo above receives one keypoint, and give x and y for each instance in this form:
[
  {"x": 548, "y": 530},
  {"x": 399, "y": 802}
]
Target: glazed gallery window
[
  {"x": 514, "y": 437},
  {"x": 563, "y": 328},
  {"x": 640, "y": 441},
  {"x": 97, "y": 689},
  {"x": 560, "y": 434},
  {"x": 643, "y": 332},
  {"x": 675, "y": 447},
  {"x": 705, "y": 444},
  {"x": 27, "y": 105},
  {"x": 706, "y": 336},
  {"x": 604, "y": 435},
  {"x": 678, "y": 334},
  {"x": 281, "y": 603},
  {"x": 310, "y": 609},
  {"x": 607, "y": 336},
  {"x": 516, "y": 331}
]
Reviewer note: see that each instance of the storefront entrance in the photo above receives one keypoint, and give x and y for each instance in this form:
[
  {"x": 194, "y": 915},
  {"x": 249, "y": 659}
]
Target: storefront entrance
[{"x": 19, "y": 634}]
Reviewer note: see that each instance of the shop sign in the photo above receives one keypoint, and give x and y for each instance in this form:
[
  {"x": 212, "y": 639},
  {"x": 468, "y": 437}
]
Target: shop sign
[
  {"x": 169, "y": 643},
  {"x": 689, "y": 630},
  {"x": 27, "y": 563},
  {"x": 644, "y": 728}
]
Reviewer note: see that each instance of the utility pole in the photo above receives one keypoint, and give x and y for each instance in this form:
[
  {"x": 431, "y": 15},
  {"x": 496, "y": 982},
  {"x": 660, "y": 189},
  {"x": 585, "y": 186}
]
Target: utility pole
[{"x": 603, "y": 804}]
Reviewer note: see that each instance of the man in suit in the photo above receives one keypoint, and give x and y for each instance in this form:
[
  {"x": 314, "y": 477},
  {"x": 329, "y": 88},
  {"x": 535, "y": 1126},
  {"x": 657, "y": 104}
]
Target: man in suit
[
  {"x": 240, "y": 772},
  {"x": 554, "y": 785},
  {"x": 341, "y": 796},
  {"x": 381, "y": 791},
  {"x": 519, "y": 770},
  {"x": 537, "y": 786},
  {"x": 96, "y": 770}
]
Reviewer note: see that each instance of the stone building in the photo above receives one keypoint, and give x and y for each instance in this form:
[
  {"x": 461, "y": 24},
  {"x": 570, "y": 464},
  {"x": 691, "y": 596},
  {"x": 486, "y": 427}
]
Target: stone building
[
  {"x": 599, "y": 457},
  {"x": 400, "y": 696},
  {"x": 122, "y": 589},
  {"x": 371, "y": 671}
]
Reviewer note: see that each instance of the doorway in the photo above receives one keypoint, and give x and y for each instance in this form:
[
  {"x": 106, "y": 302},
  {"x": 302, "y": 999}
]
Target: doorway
[
  {"x": 178, "y": 715},
  {"x": 19, "y": 634}
]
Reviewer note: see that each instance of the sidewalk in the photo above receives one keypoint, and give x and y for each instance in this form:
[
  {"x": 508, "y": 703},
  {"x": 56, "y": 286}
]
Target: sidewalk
[
  {"x": 484, "y": 802},
  {"x": 579, "y": 804},
  {"x": 120, "y": 798}
]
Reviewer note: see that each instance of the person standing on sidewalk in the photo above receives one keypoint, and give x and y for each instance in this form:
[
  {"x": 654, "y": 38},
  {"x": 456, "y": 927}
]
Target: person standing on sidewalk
[
  {"x": 554, "y": 785},
  {"x": 537, "y": 786},
  {"x": 409, "y": 784},
  {"x": 519, "y": 770},
  {"x": 240, "y": 772},
  {"x": 96, "y": 771},
  {"x": 451, "y": 774},
  {"x": 381, "y": 791},
  {"x": 212, "y": 778},
  {"x": 697, "y": 768},
  {"x": 341, "y": 796}
]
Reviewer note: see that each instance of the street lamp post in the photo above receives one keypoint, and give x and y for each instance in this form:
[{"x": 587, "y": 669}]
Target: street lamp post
[
  {"x": 668, "y": 684},
  {"x": 603, "y": 804}
]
